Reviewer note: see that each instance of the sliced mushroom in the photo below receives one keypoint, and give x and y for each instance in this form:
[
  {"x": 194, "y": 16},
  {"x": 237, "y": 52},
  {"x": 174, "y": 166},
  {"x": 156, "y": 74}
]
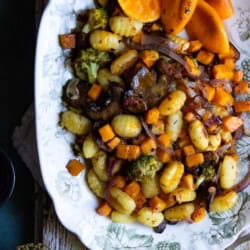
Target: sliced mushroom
[
  {"x": 110, "y": 107},
  {"x": 72, "y": 91},
  {"x": 145, "y": 91},
  {"x": 75, "y": 93}
]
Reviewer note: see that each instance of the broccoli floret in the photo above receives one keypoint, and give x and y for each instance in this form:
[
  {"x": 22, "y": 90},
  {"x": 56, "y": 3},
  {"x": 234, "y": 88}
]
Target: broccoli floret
[
  {"x": 145, "y": 166},
  {"x": 207, "y": 174},
  {"x": 89, "y": 62},
  {"x": 98, "y": 19}
]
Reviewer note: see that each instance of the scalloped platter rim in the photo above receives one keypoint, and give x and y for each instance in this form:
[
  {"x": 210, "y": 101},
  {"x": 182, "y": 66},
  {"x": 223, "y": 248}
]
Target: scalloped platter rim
[{"x": 74, "y": 203}]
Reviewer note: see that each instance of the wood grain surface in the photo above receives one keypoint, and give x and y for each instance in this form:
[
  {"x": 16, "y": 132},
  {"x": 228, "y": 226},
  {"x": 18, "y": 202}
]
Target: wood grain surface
[{"x": 48, "y": 229}]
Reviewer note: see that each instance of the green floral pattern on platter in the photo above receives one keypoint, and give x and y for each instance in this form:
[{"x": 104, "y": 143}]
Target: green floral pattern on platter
[
  {"x": 75, "y": 205},
  {"x": 118, "y": 237}
]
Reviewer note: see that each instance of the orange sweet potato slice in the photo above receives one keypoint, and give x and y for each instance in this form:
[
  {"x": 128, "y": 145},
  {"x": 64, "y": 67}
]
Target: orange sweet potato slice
[
  {"x": 224, "y": 8},
  {"x": 144, "y": 11},
  {"x": 175, "y": 14},
  {"x": 206, "y": 26}
]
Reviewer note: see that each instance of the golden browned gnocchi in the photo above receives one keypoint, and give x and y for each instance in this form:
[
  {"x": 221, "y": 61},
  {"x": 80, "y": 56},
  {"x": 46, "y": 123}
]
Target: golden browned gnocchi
[
  {"x": 99, "y": 163},
  {"x": 228, "y": 172},
  {"x": 75, "y": 122},
  {"x": 126, "y": 125},
  {"x": 106, "y": 41},
  {"x": 122, "y": 218},
  {"x": 89, "y": 147},
  {"x": 149, "y": 218},
  {"x": 179, "y": 212},
  {"x": 105, "y": 77},
  {"x": 150, "y": 186},
  {"x": 183, "y": 194},
  {"x": 198, "y": 135},
  {"x": 125, "y": 26},
  {"x": 224, "y": 202},
  {"x": 172, "y": 103},
  {"x": 96, "y": 185},
  {"x": 214, "y": 142},
  {"x": 121, "y": 201},
  {"x": 171, "y": 176},
  {"x": 174, "y": 123},
  {"x": 124, "y": 62}
]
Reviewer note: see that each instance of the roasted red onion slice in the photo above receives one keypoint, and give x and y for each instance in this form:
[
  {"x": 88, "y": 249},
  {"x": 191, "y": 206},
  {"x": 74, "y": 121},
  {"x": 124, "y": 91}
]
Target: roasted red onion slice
[
  {"x": 200, "y": 111},
  {"x": 212, "y": 192},
  {"x": 114, "y": 165},
  {"x": 167, "y": 48},
  {"x": 191, "y": 92},
  {"x": 238, "y": 133},
  {"x": 146, "y": 128},
  {"x": 221, "y": 83},
  {"x": 112, "y": 183},
  {"x": 214, "y": 120},
  {"x": 163, "y": 49},
  {"x": 155, "y": 39},
  {"x": 226, "y": 147}
]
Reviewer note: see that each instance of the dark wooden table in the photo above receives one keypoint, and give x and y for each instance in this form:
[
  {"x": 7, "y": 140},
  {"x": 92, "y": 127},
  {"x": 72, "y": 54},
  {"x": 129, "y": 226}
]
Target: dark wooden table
[{"x": 17, "y": 43}]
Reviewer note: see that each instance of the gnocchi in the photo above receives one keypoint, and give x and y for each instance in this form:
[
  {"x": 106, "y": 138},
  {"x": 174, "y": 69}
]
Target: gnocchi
[
  {"x": 127, "y": 126},
  {"x": 223, "y": 202},
  {"x": 149, "y": 218},
  {"x": 182, "y": 194},
  {"x": 124, "y": 62},
  {"x": 122, "y": 218},
  {"x": 150, "y": 186},
  {"x": 89, "y": 147},
  {"x": 96, "y": 185},
  {"x": 198, "y": 134},
  {"x": 125, "y": 26},
  {"x": 106, "y": 41},
  {"x": 121, "y": 201},
  {"x": 171, "y": 176},
  {"x": 179, "y": 212},
  {"x": 214, "y": 142},
  {"x": 99, "y": 163},
  {"x": 105, "y": 77},
  {"x": 174, "y": 124},
  {"x": 228, "y": 172},
  {"x": 75, "y": 122},
  {"x": 172, "y": 103}
]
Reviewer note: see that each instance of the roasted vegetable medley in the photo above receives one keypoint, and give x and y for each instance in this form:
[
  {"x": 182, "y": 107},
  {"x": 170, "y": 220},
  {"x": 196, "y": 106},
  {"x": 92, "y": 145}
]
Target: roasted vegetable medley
[{"x": 155, "y": 116}]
